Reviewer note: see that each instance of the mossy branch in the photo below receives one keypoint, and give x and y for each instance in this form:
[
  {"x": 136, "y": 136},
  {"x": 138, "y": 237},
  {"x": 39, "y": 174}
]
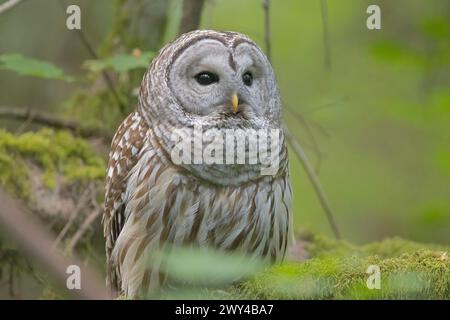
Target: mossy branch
[
  {"x": 23, "y": 114},
  {"x": 339, "y": 270}
]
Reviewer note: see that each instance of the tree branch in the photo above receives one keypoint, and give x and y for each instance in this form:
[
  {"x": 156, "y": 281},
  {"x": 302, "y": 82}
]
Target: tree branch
[
  {"x": 192, "y": 12},
  {"x": 83, "y": 228},
  {"x": 36, "y": 242},
  {"x": 52, "y": 121},
  {"x": 9, "y": 5},
  {"x": 267, "y": 30},
  {"x": 309, "y": 132},
  {"x": 326, "y": 34},
  {"x": 301, "y": 155},
  {"x": 82, "y": 201},
  {"x": 105, "y": 75}
]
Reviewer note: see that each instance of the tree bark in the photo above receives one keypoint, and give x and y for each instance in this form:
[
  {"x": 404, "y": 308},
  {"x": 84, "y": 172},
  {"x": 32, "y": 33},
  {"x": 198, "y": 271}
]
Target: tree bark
[{"x": 192, "y": 12}]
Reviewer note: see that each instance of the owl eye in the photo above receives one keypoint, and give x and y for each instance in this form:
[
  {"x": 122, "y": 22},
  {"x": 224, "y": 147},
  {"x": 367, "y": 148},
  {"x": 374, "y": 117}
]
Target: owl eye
[
  {"x": 247, "y": 78},
  {"x": 206, "y": 78}
]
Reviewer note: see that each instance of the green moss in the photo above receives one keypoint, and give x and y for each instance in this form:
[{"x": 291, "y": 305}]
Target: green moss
[
  {"x": 96, "y": 109},
  {"x": 14, "y": 175},
  {"x": 50, "y": 292},
  {"x": 395, "y": 246},
  {"x": 54, "y": 153},
  {"x": 319, "y": 245},
  {"x": 337, "y": 270}
]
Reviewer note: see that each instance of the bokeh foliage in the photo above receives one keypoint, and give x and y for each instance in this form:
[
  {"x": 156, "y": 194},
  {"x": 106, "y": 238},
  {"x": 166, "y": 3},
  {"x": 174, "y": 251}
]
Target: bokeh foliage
[{"x": 377, "y": 121}]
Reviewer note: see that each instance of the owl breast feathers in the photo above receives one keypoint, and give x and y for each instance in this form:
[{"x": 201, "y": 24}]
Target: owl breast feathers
[{"x": 213, "y": 80}]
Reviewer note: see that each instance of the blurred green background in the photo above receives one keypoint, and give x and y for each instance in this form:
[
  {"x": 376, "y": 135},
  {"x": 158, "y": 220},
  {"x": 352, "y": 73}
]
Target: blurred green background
[{"x": 377, "y": 120}]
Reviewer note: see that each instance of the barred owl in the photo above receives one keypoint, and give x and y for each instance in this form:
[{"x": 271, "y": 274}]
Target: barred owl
[{"x": 216, "y": 80}]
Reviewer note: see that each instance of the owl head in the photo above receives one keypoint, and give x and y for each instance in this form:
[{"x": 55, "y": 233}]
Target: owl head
[{"x": 215, "y": 78}]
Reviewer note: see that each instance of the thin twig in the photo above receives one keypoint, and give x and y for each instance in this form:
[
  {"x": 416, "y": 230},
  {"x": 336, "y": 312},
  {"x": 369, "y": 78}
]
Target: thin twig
[
  {"x": 326, "y": 34},
  {"x": 12, "y": 292},
  {"x": 319, "y": 127},
  {"x": 267, "y": 31},
  {"x": 328, "y": 105},
  {"x": 25, "y": 124},
  {"x": 83, "y": 228},
  {"x": 300, "y": 153},
  {"x": 87, "y": 222},
  {"x": 24, "y": 114},
  {"x": 315, "y": 145},
  {"x": 31, "y": 236},
  {"x": 296, "y": 114},
  {"x": 9, "y": 5},
  {"x": 105, "y": 75},
  {"x": 109, "y": 82},
  {"x": 82, "y": 201}
]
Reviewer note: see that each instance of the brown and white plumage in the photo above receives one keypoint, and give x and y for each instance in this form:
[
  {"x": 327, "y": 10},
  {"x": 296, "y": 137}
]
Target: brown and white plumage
[{"x": 152, "y": 202}]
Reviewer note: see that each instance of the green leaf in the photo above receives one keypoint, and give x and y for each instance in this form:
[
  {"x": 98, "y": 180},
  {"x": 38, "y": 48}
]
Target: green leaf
[
  {"x": 396, "y": 53},
  {"x": 32, "y": 67},
  {"x": 437, "y": 28},
  {"x": 121, "y": 62},
  {"x": 207, "y": 266}
]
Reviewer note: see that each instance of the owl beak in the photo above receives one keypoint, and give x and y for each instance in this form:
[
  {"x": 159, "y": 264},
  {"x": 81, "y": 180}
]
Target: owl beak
[{"x": 234, "y": 102}]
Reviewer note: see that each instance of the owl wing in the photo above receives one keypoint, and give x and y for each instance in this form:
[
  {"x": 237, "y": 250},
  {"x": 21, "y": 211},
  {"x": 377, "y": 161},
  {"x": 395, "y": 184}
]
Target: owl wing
[{"x": 124, "y": 154}]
